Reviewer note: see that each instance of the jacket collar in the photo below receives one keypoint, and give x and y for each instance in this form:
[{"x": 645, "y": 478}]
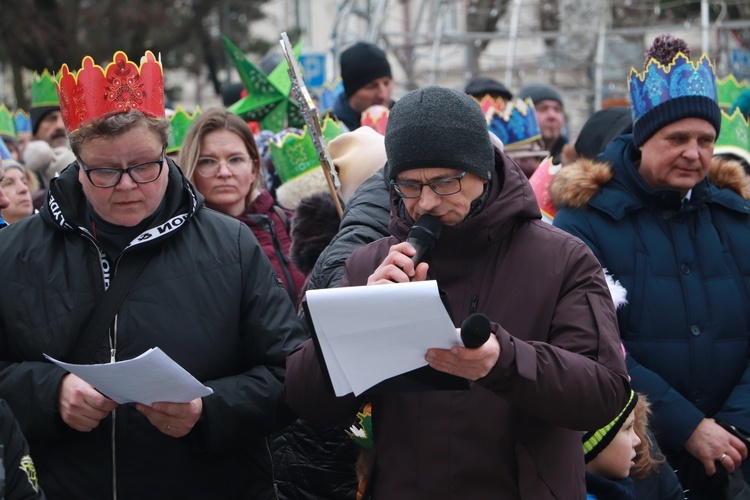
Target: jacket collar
[{"x": 612, "y": 184}]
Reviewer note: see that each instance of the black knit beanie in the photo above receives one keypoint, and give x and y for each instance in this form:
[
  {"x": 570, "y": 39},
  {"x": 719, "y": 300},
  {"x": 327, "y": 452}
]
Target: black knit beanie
[
  {"x": 672, "y": 110},
  {"x": 437, "y": 127},
  {"x": 360, "y": 64},
  {"x": 539, "y": 92},
  {"x": 37, "y": 115}
]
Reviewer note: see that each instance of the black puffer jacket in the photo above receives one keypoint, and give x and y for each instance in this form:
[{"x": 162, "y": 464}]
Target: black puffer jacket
[{"x": 208, "y": 297}]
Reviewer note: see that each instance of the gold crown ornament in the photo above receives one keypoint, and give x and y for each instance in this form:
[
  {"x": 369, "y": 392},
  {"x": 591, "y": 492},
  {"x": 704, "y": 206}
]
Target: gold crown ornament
[{"x": 95, "y": 92}]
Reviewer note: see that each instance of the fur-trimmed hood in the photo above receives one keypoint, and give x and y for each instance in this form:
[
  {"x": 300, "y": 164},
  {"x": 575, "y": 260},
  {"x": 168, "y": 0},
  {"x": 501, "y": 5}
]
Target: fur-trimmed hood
[{"x": 574, "y": 185}]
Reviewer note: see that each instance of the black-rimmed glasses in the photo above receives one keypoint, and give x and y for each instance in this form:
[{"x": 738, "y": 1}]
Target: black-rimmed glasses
[
  {"x": 441, "y": 187},
  {"x": 143, "y": 173}
]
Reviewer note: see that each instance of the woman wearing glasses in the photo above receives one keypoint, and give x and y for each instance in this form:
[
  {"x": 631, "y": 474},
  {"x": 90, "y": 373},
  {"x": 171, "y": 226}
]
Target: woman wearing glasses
[
  {"x": 220, "y": 157},
  {"x": 124, "y": 238}
]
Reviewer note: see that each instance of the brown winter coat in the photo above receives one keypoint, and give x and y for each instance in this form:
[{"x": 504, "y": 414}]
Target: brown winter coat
[{"x": 516, "y": 433}]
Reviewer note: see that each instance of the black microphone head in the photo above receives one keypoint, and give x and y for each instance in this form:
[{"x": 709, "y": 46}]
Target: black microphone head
[
  {"x": 475, "y": 330},
  {"x": 426, "y": 231}
]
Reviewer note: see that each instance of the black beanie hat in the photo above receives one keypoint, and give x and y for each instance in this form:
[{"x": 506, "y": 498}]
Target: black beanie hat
[
  {"x": 437, "y": 127},
  {"x": 539, "y": 92},
  {"x": 37, "y": 115},
  {"x": 672, "y": 110},
  {"x": 360, "y": 64},
  {"x": 601, "y": 128},
  {"x": 595, "y": 442}
]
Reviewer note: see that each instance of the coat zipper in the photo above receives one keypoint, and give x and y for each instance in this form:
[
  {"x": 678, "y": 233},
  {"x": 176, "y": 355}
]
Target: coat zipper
[{"x": 112, "y": 357}]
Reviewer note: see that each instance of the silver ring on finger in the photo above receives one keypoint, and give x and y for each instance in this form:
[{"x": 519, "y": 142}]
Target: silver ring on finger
[{"x": 723, "y": 457}]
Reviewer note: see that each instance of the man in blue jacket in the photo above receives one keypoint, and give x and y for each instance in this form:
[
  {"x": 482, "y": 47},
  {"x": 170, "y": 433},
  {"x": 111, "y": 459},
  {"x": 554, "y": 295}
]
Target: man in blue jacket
[{"x": 677, "y": 237}]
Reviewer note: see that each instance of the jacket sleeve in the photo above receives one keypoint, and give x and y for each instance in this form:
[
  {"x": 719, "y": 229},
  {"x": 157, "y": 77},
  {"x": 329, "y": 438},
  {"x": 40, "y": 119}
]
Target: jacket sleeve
[
  {"x": 307, "y": 390},
  {"x": 20, "y": 481},
  {"x": 32, "y": 388},
  {"x": 249, "y": 405},
  {"x": 736, "y": 409},
  {"x": 577, "y": 377}
]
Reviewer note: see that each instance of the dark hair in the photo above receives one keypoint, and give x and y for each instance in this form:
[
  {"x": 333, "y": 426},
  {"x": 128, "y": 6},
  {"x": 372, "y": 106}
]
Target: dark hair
[{"x": 117, "y": 124}]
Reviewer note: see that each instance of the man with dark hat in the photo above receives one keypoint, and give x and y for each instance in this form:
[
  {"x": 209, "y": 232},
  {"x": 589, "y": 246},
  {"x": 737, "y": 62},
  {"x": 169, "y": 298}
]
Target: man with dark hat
[
  {"x": 677, "y": 238},
  {"x": 485, "y": 86},
  {"x": 550, "y": 114},
  {"x": 551, "y": 366},
  {"x": 46, "y": 120},
  {"x": 366, "y": 75}
]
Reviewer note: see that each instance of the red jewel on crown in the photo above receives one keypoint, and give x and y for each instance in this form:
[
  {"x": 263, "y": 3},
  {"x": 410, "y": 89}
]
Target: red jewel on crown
[{"x": 93, "y": 92}]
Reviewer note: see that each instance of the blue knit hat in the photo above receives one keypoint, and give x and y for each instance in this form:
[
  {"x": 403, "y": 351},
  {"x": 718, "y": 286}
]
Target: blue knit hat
[{"x": 672, "y": 88}]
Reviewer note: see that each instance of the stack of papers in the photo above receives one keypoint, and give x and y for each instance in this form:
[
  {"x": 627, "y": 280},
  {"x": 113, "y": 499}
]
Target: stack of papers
[
  {"x": 368, "y": 334},
  {"x": 151, "y": 377}
]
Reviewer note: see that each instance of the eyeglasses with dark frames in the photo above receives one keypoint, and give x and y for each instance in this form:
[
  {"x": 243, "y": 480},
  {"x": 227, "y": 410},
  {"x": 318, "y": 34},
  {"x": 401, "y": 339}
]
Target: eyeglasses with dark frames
[
  {"x": 441, "y": 187},
  {"x": 143, "y": 173}
]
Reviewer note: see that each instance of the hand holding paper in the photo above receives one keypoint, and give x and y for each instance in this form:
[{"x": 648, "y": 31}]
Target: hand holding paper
[
  {"x": 368, "y": 334},
  {"x": 153, "y": 376}
]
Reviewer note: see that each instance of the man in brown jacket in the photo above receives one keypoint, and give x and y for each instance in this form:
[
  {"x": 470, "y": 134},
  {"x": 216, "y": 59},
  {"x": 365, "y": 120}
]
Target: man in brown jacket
[{"x": 552, "y": 367}]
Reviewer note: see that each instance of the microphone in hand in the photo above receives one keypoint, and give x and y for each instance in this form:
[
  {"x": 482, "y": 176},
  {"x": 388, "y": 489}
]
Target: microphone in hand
[
  {"x": 423, "y": 235},
  {"x": 475, "y": 330}
]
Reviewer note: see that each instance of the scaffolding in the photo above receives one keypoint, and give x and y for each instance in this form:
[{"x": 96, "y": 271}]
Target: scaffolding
[{"x": 589, "y": 62}]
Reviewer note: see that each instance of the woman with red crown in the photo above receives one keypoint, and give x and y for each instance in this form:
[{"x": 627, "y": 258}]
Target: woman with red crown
[{"x": 122, "y": 258}]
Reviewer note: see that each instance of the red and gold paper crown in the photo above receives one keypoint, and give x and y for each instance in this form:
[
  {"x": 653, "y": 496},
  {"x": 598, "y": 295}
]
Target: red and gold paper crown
[{"x": 94, "y": 92}]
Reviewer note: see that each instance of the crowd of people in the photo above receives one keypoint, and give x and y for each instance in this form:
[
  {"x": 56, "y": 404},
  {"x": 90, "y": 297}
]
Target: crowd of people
[{"x": 616, "y": 362}]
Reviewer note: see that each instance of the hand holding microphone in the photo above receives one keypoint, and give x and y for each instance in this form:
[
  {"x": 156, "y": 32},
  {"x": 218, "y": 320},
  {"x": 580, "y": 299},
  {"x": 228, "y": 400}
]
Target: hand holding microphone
[
  {"x": 422, "y": 236},
  {"x": 475, "y": 330},
  {"x": 478, "y": 356}
]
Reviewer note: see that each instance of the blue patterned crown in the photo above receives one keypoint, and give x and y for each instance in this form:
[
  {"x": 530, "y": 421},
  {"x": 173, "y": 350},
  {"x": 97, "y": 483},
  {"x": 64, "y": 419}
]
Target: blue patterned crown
[
  {"x": 516, "y": 125},
  {"x": 664, "y": 94},
  {"x": 680, "y": 78}
]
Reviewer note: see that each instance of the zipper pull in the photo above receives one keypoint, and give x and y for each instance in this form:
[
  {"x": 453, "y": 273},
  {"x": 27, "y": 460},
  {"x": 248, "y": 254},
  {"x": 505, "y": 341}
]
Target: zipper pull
[{"x": 112, "y": 355}]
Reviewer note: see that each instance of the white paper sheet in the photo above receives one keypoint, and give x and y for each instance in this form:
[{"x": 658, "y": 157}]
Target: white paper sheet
[
  {"x": 368, "y": 334},
  {"x": 151, "y": 377}
]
